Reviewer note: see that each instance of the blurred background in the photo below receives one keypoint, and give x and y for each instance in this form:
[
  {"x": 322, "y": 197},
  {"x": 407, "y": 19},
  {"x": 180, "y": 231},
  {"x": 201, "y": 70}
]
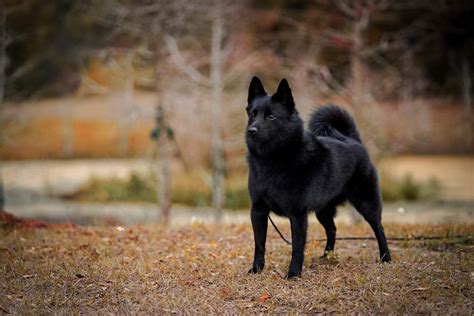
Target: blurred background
[{"x": 121, "y": 111}]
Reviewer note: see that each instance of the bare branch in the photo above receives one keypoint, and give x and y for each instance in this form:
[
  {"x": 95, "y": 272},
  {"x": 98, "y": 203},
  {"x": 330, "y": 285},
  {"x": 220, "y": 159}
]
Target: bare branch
[
  {"x": 25, "y": 68},
  {"x": 149, "y": 9},
  {"x": 364, "y": 18},
  {"x": 332, "y": 83},
  {"x": 378, "y": 5},
  {"x": 238, "y": 68},
  {"x": 346, "y": 8},
  {"x": 341, "y": 36},
  {"x": 179, "y": 61}
]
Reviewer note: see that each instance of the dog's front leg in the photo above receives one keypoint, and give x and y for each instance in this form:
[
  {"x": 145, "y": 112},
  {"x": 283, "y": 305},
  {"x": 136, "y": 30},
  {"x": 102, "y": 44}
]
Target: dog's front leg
[
  {"x": 299, "y": 227},
  {"x": 259, "y": 216}
]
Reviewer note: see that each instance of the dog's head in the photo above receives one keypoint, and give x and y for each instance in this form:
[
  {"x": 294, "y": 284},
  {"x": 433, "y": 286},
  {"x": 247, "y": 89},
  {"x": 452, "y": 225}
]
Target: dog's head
[{"x": 273, "y": 122}]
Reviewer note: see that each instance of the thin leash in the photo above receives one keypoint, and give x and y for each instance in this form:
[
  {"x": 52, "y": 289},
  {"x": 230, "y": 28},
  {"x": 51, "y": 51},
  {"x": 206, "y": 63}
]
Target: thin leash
[
  {"x": 419, "y": 237},
  {"x": 278, "y": 231}
]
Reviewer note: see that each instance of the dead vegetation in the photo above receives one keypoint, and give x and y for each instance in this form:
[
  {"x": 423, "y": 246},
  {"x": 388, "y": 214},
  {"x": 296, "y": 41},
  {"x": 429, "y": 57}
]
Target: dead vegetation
[{"x": 202, "y": 269}]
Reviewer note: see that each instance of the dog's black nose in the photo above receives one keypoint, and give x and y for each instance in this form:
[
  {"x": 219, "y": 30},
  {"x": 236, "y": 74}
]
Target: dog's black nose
[{"x": 252, "y": 130}]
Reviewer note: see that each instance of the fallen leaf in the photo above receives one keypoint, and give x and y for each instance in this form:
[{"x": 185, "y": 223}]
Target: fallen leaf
[
  {"x": 263, "y": 298},
  {"x": 225, "y": 291}
]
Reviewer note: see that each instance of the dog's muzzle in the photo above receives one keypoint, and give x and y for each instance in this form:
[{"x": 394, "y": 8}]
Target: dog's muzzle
[{"x": 252, "y": 130}]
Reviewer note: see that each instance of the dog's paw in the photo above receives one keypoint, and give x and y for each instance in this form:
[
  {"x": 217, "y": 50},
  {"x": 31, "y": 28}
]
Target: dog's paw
[
  {"x": 327, "y": 254},
  {"x": 293, "y": 275},
  {"x": 329, "y": 257},
  {"x": 255, "y": 269},
  {"x": 386, "y": 258}
]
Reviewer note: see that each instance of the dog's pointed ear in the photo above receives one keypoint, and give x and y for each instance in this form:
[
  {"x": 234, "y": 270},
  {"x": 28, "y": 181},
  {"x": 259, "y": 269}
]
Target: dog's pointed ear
[
  {"x": 283, "y": 95},
  {"x": 255, "y": 89}
]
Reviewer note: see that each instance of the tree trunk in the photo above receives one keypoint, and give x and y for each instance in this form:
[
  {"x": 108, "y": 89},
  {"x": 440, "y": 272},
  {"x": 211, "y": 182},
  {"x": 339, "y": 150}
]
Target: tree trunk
[
  {"x": 217, "y": 90},
  {"x": 163, "y": 162},
  {"x": 164, "y": 180},
  {"x": 358, "y": 87},
  {"x": 2, "y": 92},
  {"x": 364, "y": 106},
  {"x": 466, "y": 87}
]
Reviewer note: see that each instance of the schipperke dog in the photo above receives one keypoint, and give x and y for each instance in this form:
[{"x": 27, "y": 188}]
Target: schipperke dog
[{"x": 294, "y": 171}]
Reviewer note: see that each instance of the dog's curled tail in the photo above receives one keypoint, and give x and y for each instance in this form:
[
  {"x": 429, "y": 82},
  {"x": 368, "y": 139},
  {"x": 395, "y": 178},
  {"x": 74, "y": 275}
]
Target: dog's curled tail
[{"x": 331, "y": 121}]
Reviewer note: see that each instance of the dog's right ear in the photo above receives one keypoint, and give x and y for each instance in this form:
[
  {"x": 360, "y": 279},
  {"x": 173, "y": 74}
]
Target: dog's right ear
[{"x": 255, "y": 89}]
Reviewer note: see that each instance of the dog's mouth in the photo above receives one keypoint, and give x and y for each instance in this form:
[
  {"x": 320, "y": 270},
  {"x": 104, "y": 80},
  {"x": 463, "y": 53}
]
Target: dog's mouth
[{"x": 254, "y": 138}]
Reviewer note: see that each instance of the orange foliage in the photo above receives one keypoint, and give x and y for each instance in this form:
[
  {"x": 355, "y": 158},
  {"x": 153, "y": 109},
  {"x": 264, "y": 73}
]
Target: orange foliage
[
  {"x": 36, "y": 138},
  {"x": 95, "y": 138},
  {"x": 139, "y": 140}
]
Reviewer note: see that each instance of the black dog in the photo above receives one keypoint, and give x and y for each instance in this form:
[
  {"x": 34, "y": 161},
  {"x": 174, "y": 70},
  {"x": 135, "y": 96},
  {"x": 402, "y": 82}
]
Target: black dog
[{"x": 294, "y": 171}]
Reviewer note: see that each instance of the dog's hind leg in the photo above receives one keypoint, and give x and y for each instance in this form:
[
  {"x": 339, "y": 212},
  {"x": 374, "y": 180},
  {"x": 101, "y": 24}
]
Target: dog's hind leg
[
  {"x": 326, "y": 218},
  {"x": 371, "y": 210}
]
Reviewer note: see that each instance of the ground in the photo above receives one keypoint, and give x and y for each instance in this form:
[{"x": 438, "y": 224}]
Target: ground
[{"x": 202, "y": 269}]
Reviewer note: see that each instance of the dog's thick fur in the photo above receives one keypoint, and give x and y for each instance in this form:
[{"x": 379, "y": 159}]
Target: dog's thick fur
[{"x": 294, "y": 171}]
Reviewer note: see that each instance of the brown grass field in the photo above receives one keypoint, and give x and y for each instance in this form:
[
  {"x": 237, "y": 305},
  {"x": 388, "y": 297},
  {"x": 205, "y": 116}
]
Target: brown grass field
[{"x": 202, "y": 269}]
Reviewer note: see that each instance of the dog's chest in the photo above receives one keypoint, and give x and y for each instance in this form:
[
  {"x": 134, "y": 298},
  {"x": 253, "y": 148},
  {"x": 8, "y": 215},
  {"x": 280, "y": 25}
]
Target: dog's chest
[{"x": 281, "y": 194}]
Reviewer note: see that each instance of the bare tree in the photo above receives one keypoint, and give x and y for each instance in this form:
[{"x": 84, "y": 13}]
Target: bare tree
[
  {"x": 359, "y": 14},
  {"x": 350, "y": 36},
  {"x": 146, "y": 23},
  {"x": 163, "y": 135},
  {"x": 217, "y": 88},
  {"x": 3, "y": 45},
  {"x": 161, "y": 21},
  {"x": 347, "y": 34},
  {"x": 220, "y": 12}
]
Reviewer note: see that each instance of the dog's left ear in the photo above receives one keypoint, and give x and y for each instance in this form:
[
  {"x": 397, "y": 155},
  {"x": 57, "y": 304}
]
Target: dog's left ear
[{"x": 284, "y": 96}]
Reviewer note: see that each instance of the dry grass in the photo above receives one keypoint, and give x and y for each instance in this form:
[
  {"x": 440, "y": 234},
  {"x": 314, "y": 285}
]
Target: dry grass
[{"x": 202, "y": 269}]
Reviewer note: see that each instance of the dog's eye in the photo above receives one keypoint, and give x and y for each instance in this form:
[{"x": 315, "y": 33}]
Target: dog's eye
[
  {"x": 271, "y": 117},
  {"x": 253, "y": 114}
]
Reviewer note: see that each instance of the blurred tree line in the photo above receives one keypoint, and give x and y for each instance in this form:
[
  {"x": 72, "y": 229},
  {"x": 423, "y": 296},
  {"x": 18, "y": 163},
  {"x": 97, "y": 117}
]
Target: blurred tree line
[
  {"x": 50, "y": 42},
  {"x": 198, "y": 56}
]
